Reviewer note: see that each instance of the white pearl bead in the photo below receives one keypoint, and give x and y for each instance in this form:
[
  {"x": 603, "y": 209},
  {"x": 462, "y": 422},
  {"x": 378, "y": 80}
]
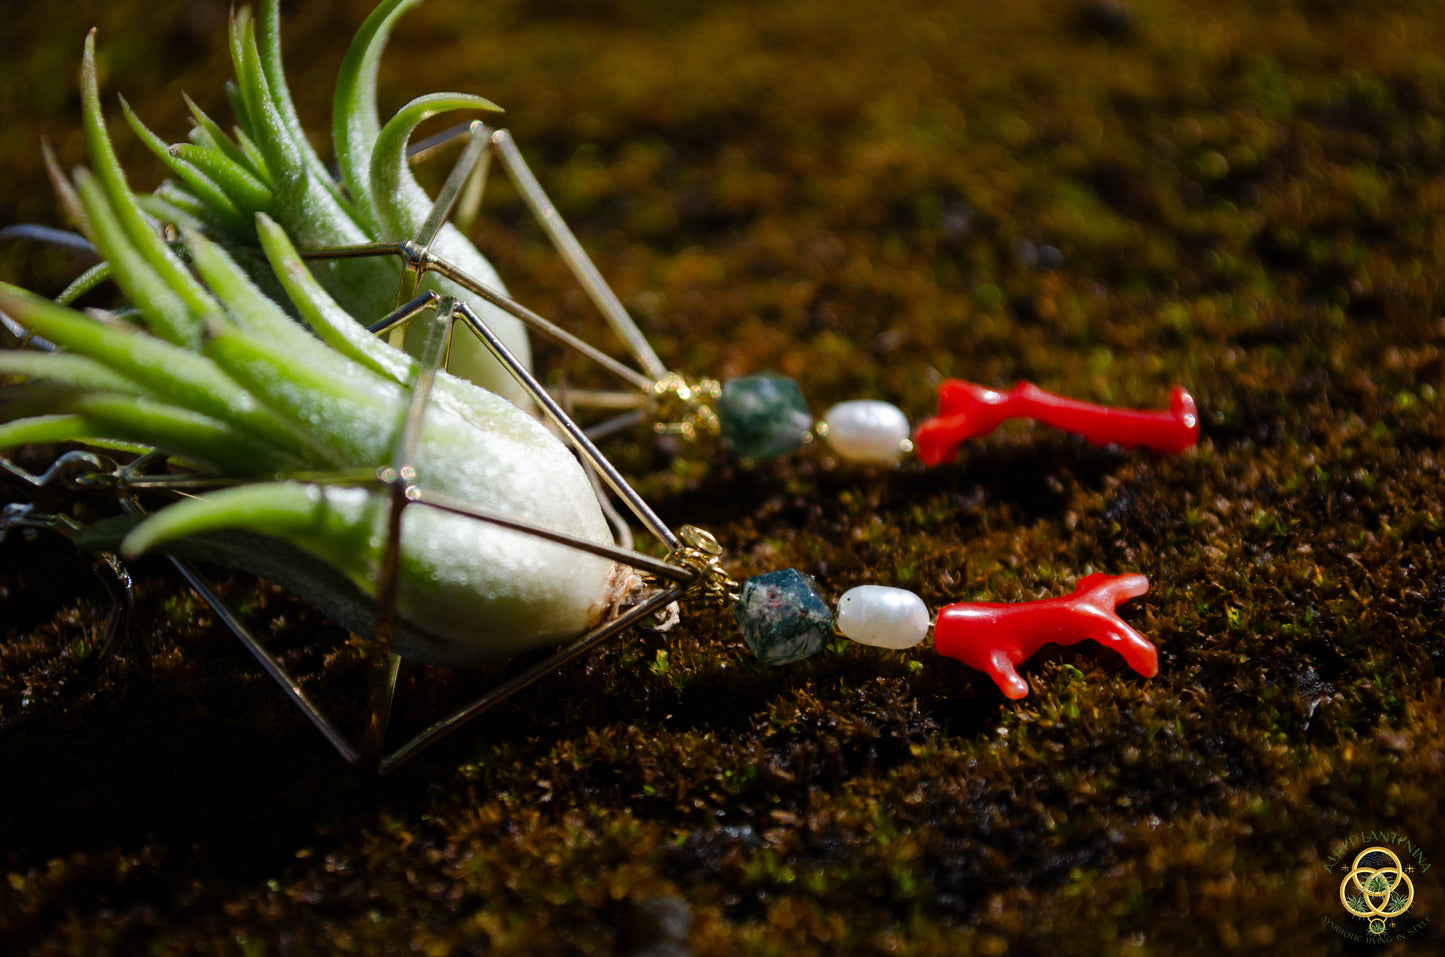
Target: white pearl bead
[
  {"x": 867, "y": 431},
  {"x": 882, "y": 616}
]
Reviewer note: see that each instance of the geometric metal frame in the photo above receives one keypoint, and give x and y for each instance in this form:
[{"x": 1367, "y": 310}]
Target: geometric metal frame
[{"x": 692, "y": 569}]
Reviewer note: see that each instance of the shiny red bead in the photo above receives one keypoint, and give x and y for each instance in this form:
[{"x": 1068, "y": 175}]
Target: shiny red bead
[{"x": 996, "y": 638}]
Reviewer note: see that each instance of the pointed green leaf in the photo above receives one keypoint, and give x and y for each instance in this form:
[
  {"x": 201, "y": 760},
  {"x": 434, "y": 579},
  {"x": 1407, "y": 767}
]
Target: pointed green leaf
[
  {"x": 269, "y": 44},
  {"x": 169, "y": 372},
  {"x": 141, "y": 236},
  {"x": 347, "y": 337},
  {"x": 172, "y": 203},
  {"x": 249, "y": 149},
  {"x": 243, "y": 122},
  {"x": 326, "y": 318},
  {"x": 69, "y": 198},
  {"x": 355, "y": 122},
  {"x": 49, "y": 430},
  {"x": 74, "y": 371},
  {"x": 237, "y": 184},
  {"x": 240, "y": 24},
  {"x": 335, "y": 524},
  {"x": 219, "y": 140},
  {"x": 401, "y": 207},
  {"x": 84, "y": 283},
  {"x": 354, "y": 423},
  {"x": 265, "y": 321},
  {"x": 166, "y": 313},
  {"x": 268, "y": 129},
  {"x": 397, "y": 200},
  {"x": 313, "y": 211},
  {"x": 180, "y": 431},
  {"x": 242, "y": 300},
  {"x": 197, "y": 180}
]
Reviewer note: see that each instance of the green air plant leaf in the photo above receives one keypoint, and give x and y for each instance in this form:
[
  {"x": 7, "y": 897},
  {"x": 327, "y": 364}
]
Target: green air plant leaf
[
  {"x": 220, "y": 183},
  {"x": 211, "y": 371}
]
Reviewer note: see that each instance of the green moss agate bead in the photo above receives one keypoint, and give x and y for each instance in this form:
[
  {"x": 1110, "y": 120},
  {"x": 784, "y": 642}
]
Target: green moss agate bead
[
  {"x": 763, "y": 415},
  {"x": 783, "y": 616}
]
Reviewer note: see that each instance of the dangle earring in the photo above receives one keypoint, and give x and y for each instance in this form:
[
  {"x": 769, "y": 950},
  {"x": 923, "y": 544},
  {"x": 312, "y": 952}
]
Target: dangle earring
[{"x": 757, "y": 416}]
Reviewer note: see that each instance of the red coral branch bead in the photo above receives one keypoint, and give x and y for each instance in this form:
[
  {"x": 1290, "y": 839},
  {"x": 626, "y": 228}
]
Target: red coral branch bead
[
  {"x": 967, "y": 411},
  {"x": 997, "y": 637}
]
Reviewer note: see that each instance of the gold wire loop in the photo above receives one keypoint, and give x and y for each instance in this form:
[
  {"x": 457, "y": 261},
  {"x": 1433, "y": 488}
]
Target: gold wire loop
[
  {"x": 701, "y": 554},
  {"x": 680, "y": 406}
]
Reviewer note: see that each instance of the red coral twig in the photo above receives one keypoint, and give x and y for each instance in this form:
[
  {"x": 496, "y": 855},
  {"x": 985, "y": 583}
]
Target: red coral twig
[
  {"x": 967, "y": 411},
  {"x": 996, "y": 637}
]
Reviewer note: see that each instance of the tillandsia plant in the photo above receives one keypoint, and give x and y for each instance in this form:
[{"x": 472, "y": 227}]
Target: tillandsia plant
[
  {"x": 222, "y": 182},
  {"x": 208, "y": 370}
]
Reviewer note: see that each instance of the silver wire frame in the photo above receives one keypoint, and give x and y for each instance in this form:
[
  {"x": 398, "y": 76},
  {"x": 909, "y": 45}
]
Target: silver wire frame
[{"x": 439, "y": 315}]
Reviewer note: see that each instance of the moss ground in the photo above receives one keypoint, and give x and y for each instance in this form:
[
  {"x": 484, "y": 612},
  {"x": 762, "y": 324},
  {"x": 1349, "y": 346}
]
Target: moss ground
[{"x": 1104, "y": 198}]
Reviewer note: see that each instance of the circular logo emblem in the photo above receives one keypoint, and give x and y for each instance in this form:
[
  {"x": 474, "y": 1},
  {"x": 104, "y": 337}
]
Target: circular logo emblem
[{"x": 1377, "y": 888}]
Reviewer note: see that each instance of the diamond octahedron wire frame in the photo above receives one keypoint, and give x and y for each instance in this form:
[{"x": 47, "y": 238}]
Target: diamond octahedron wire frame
[{"x": 692, "y": 569}]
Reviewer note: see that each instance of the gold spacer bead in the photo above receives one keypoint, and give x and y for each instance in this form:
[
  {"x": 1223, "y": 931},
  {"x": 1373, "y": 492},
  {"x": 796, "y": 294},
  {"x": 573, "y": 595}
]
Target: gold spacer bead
[
  {"x": 701, "y": 554},
  {"x": 679, "y": 406}
]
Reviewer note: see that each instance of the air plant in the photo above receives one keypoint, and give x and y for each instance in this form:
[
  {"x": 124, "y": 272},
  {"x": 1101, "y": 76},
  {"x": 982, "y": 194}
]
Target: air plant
[
  {"x": 222, "y": 183},
  {"x": 208, "y": 370}
]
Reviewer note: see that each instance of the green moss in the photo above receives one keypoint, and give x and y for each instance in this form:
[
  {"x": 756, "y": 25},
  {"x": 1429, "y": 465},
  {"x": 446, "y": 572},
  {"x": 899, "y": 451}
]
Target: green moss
[{"x": 1243, "y": 197}]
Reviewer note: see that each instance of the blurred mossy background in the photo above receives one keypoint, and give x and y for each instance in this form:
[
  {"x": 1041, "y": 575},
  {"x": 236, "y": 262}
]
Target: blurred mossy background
[{"x": 1102, "y": 196}]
